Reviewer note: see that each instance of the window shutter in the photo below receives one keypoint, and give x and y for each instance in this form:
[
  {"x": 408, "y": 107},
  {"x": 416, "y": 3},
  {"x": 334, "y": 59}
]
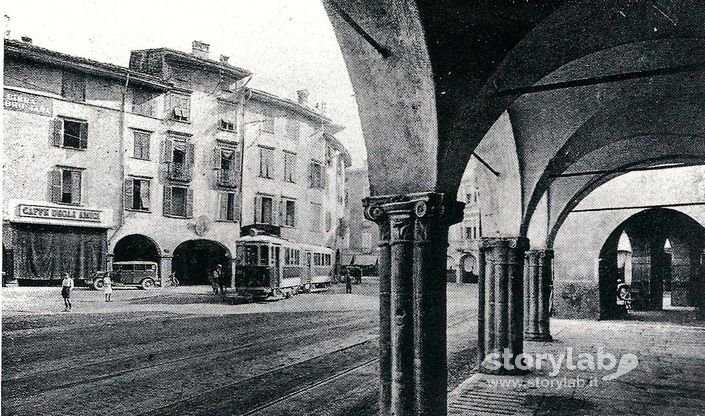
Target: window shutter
[
  {"x": 128, "y": 193},
  {"x": 216, "y": 158},
  {"x": 167, "y": 150},
  {"x": 166, "y": 203},
  {"x": 75, "y": 187},
  {"x": 55, "y": 185},
  {"x": 235, "y": 165},
  {"x": 189, "y": 203},
  {"x": 282, "y": 212},
  {"x": 310, "y": 175},
  {"x": 189, "y": 159},
  {"x": 58, "y": 132},
  {"x": 236, "y": 207},
  {"x": 146, "y": 194},
  {"x": 83, "y": 136},
  {"x": 223, "y": 206},
  {"x": 275, "y": 211},
  {"x": 323, "y": 177},
  {"x": 258, "y": 209}
]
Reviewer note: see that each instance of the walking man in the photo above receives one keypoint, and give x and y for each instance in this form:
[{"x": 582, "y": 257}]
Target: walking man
[
  {"x": 222, "y": 280},
  {"x": 215, "y": 278},
  {"x": 66, "y": 288},
  {"x": 348, "y": 282}
]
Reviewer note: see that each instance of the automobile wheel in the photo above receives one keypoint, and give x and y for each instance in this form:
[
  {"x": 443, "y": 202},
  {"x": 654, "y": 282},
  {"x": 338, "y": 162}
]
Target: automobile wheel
[
  {"x": 147, "y": 283},
  {"x": 98, "y": 284}
]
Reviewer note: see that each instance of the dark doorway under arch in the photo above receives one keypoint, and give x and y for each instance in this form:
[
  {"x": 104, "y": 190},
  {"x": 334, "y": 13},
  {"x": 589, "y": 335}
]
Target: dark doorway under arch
[
  {"x": 194, "y": 260},
  {"x": 676, "y": 267},
  {"x": 136, "y": 247}
]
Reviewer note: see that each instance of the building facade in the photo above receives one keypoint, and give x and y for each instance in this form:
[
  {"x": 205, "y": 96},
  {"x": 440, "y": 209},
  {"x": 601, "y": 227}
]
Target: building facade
[
  {"x": 464, "y": 237},
  {"x": 105, "y": 163}
]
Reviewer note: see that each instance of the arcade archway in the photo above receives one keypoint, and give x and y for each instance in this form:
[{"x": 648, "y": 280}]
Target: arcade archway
[
  {"x": 136, "y": 247},
  {"x": 666, "y": 261},
  {"x": 194, "y": 260}
]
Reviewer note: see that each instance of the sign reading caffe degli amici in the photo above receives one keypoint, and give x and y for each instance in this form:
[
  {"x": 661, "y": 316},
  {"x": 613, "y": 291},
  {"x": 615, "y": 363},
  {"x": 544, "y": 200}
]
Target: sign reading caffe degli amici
[{"x": 44, "y": 213}]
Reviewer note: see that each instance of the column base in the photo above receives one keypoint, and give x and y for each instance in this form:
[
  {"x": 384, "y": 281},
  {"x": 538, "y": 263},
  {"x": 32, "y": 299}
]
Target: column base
[{"x": 537, "y": 337}]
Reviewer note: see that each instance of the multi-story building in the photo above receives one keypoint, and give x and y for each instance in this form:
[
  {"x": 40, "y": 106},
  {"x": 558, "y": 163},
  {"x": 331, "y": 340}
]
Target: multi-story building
[
  {"x": 105, "y": 163},
  {"x": 363, "y": 235},
  {"x": 464, "y": 237},
  {"x": 294, "y": 169}
]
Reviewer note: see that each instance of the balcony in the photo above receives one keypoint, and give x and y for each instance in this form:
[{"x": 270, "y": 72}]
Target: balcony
[
  {"x": 179, "y": 172},
  {"x": 227, "y": 178}
]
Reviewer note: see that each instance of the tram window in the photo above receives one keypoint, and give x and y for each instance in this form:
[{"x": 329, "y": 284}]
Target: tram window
[
  {"x": 316, "y": 259},
  {"x": 264, "y": 255},
  {"x": 251, "y": 255}
]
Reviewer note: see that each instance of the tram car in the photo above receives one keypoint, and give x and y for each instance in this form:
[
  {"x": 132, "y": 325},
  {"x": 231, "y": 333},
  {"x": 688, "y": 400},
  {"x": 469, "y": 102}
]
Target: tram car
[{"x": 272, "y": 268}]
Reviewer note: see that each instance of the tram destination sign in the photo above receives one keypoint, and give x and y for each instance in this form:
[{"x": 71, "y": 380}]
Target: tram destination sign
[
  {"x": 28, "y": 103},
  {"x": 46, "y": 212}
]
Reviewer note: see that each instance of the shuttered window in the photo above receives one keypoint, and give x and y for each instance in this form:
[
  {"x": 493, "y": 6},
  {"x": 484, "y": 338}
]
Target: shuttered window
[
  {"x": 68, "y": 133},
  {"x": 316, "y": 175},
  {"x": 315, "y": 214},
  {"x": 228, "y": 206},
  {"x": 293, "y": 128},
  {"x": 178, "y": 202},
  {"x": 179, "y": 107},
  {"x": 265, "y": 210},
  {"x": 141, "y": 145},
  {"x": 73, "y": 86},
  {"x": 289, "y": 214},
  {"x": 267, "y": 124},
  {"x": 65, "y": 186},
  {"x": 266, "y": 162},
  {"x": 143, "y": 102},
  {"x": 290, "y": 167},
  {"x": 137, "y": 194}
]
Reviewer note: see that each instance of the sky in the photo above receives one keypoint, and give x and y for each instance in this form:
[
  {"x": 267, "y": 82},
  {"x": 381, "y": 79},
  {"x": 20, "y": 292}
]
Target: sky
[{"x": 288, "y": 44}]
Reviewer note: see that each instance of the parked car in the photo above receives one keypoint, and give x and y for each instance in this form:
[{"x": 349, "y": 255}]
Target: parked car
[
  {"x": 142, "y": 274},
  {"x": 355, "y": 274}
]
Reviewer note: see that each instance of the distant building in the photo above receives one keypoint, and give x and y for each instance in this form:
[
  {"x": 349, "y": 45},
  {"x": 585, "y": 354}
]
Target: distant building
[
  {"x": 464, "y": 237},
  {"x": 105, "y": 163},
  {"x": 363, "y": 235}
]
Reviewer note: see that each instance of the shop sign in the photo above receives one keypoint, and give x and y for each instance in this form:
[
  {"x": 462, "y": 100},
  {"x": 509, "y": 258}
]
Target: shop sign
[
  {"x": 28, "y": 103},
  {"x": 75, "y": 214}
]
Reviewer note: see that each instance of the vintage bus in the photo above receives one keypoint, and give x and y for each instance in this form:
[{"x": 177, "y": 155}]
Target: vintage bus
[{"x": 270, "y": 267}]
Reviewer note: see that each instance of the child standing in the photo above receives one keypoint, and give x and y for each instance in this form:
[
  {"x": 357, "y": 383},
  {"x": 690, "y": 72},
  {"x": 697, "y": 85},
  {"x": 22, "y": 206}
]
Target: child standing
[
  {"x": 66, "y": 288},
  {"x": 107, "y": 287}
]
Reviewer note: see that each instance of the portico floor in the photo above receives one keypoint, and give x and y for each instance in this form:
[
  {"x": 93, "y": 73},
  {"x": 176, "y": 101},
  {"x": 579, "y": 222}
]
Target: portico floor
[{"x": 669, "y": 378}]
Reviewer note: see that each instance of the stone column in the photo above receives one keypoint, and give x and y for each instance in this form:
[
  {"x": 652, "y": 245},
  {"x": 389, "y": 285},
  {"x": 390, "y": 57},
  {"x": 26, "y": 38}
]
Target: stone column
[
  {"x": 537, "y": 293},
  {"x": 500, "y": 310},
  {"x": 414, "y": 240}
]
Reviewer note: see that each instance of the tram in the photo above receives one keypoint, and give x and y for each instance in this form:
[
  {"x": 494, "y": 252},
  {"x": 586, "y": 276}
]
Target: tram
[{"x": 270, "y": 267}]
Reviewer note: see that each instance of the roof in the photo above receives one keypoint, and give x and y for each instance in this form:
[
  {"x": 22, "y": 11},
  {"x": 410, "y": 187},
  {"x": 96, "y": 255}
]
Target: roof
[
  {"x": 292, "y": 105},
  {"x": 35, "y": 53},
  {"x": 340, "y": 147},
  {"x": 188, "y": 58},
  {"x": 278, "y": 240}
]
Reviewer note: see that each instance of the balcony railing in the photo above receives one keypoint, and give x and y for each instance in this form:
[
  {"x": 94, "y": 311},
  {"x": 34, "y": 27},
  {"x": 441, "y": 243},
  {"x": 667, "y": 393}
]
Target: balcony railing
[
  {"x": 228, "y": 178},
  {"x": 179, "y": 171}
]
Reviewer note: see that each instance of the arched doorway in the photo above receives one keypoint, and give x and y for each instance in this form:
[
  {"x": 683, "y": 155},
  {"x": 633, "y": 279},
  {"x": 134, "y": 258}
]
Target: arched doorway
[
  {"x": 194, "y": 260},
  {"x": 468, "y": 265},
  {"x": 136, "y": 247},
  {"x": 665, "y": 259}
]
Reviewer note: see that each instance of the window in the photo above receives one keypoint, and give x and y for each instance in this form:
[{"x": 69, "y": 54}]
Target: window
[
  {"x": 293, "y": 128},
  {"x": 141, "y": 145},
  {"x": 316, "y": 175},
  {"x": 468, "y": 233},
  {"x": 227, "y": 125},
  {"x": 468, "y": 198},
  {"x": 179, "y": 107},
  {"x": 267, "y": 124},
  {"x": 264, "y": 209},
  {"x": 317, "y": 259},
  {"x": 226, "y": 162},
  {"x": 229, "y": 209},
  {"x": 73, "y": 86},
  {"x": 329, "y": 155},
  {"x": 178, "y": 202},
  {"x": 178, "y": 153},
  {"x": 66, "y": 186},
  {"x": 316, "y": 210},
  {"x": 142, "y": 102},
  {"x": 341, "y": 167},
  {"x": 72, "y": 134},
  {"x": 290, "y": 167},
  {"x": 137, "y": 194},
  {"x": 366, "y": 241},
  {"x": 292, "y": 257},
  {"x": 289, "y": 213},
  {"x": 266, "y": 166}
]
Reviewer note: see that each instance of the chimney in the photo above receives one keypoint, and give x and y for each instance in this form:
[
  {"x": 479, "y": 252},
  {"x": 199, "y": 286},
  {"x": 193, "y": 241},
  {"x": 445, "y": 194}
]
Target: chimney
[
  {"x": 199, "y": 49},
  {"x": 303, "y": 96},
  {"x": 26, "y": 39},
  {"x": 224, "y": 59}
]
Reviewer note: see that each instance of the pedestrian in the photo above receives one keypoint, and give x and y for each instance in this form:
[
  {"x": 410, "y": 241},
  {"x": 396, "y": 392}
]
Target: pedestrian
[
  {"x": 348, "y": 282},
  {"x": 215, "y": 278},
  {"x": 66, "y": 288},
  {"x": 222, "y": 280},
  {"x": 107, "y": 287}
]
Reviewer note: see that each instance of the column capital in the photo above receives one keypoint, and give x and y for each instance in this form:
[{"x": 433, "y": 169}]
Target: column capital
[
  {"x": 539, "y": 253},
  {"x": 509, "y": 242},
  {"x": 421, "y": 205}
]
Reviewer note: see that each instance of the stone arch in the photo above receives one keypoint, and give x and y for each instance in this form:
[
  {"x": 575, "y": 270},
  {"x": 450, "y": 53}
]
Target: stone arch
[{"x": 194, "y": 260}]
